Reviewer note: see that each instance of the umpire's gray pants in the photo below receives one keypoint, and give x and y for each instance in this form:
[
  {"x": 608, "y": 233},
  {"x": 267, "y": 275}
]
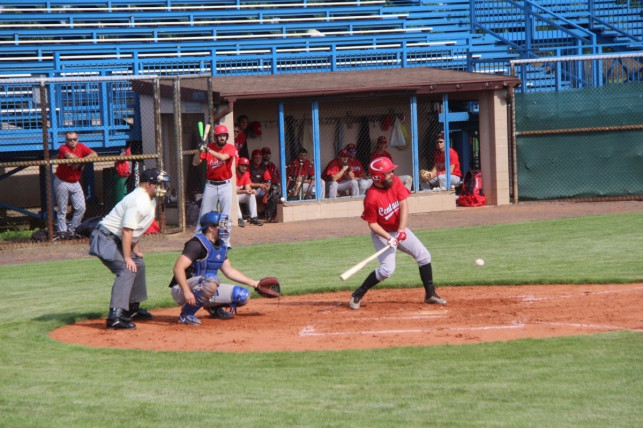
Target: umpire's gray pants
[{"x": 129, "y": 287}]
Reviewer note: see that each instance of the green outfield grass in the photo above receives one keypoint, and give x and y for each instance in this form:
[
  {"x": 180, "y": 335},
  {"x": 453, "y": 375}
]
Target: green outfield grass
[{"x": 589, "y": 381}]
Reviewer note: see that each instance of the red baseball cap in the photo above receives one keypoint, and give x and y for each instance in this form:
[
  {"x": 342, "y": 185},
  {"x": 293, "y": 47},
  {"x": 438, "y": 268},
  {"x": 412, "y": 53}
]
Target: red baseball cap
[
  {"x": 343, "y": 154},
  {"x": 266, "y": 150},
  {"x": 440, "y": 136},
  {"x": 351, "y": 146},
  {"x": 256, "y": 152}
]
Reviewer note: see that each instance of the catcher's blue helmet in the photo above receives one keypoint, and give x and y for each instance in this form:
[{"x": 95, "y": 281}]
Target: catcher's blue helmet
[{"x": 209, "y": 219}]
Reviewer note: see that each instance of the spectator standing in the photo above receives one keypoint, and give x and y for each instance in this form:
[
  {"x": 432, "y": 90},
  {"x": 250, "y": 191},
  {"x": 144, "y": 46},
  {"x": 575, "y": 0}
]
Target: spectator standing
[
  {"x": 339, "y": 176},
  {"x": 67, "y": 182},
  {"x": 218, "y": 187},
  {"x": 246, "y": 194},
  {"x": 437, "y": 176},
  {"x": 116, "y": 243}
]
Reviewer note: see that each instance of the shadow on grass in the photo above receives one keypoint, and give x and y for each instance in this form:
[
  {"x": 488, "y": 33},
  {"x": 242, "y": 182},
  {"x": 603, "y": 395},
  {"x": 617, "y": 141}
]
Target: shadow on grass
[{"x": 69, "y": 318}]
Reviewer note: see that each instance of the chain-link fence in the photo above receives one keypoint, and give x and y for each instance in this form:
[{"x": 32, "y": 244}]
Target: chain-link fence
[
  {"x": 131, "y": 124},
  {"x": 584, "y": 139}
]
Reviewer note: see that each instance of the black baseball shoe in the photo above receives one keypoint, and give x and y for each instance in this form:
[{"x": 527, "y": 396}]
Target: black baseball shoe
[
  {"x": 140, "y": 314},
  {"x": 354, "y": 302},
  {"x": 117, "y": 320},
  {"x": 241, "y": 223},
  {"x": 256, "y": 221},
  {"x": 435, "y": 299},
  {"x": 219, "y": 313}
]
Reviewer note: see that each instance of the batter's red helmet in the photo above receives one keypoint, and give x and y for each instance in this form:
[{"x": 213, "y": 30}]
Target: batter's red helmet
[
  {"x": 220, "y": 129},
  {"x": 379, "y": 167},
  {"x": 244, "y": 161}
]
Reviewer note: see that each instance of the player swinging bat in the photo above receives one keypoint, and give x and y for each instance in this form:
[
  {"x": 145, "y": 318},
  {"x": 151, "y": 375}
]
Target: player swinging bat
[{"x": 386, "y": 211}]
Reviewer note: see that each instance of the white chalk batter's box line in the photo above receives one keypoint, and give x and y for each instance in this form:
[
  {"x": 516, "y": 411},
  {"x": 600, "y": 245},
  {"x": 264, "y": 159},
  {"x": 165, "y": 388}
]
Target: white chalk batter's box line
[
  {"x": 309, "y": 331},
  {"x": 532, "y": 298}
]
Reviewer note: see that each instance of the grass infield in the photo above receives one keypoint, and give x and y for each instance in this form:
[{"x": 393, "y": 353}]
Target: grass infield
[{"x": 590, "y": 381}]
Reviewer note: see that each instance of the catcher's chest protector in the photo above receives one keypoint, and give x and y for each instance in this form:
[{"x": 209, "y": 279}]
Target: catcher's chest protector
[{"x": 214, "y": 260}]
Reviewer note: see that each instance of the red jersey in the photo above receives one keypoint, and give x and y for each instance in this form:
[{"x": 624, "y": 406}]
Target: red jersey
[
  {"x": 244, "y": 179},
  {"x": 382, "y": 206},
  {"x": 71, "y": 173},
  {"x": 439, "y": 161},
  {"x": 219, "y": 170},
  {"x": 357, "y": 167},
  {"x": 274, "y": 172},
  {"x": 240, "y": 141},
  {"x": 333, "y": 168},
  {"x": 383, "y": 154},
  {"x": 295, "y": 169}
]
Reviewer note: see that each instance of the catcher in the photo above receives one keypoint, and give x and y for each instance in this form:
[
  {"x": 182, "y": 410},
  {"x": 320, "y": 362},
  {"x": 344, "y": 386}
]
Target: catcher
[{"x": 196, "y": 282}]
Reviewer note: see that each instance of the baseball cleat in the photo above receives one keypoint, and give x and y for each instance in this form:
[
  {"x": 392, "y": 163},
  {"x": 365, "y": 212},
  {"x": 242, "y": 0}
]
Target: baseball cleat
[
  {"x": 219, "y": 313},
  {"x": 118, "y": 320},
  {"x": 435, "y": 299},
  {"x": 189, "y": 320},
  {"x": 354, "y": 302},
  {"x": 139, "y": 313}
]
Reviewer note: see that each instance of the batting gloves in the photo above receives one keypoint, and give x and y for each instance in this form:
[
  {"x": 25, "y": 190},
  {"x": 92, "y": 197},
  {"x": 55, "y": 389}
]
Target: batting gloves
[
  {"x": 401, "y": 235},
  {"x": 392, "y": 242}
]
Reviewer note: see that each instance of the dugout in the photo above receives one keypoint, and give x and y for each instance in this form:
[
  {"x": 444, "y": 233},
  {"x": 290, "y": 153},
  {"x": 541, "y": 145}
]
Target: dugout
[{"x": 426, "y": 100}]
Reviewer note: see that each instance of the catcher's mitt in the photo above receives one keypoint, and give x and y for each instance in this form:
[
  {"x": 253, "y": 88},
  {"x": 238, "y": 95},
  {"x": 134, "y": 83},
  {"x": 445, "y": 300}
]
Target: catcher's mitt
[
  {"x": 269, "y": 287},
  {"x": 425, "y": 175}
]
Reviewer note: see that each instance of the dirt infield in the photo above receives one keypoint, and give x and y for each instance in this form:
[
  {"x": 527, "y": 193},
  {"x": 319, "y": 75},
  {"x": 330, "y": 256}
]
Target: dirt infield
[{"x": 388, "y": 317}]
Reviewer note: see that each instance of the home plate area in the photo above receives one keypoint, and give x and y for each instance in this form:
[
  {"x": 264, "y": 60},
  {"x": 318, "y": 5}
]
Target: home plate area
[{"x": 387, "y": 318}]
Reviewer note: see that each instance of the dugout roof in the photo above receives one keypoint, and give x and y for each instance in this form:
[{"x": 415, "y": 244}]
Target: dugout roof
[{"x": 420, "y": 80}]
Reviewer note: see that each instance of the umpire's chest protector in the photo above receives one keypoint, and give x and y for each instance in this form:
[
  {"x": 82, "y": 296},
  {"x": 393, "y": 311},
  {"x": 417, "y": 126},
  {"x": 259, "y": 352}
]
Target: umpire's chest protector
[{"x": 214, "y": 260}]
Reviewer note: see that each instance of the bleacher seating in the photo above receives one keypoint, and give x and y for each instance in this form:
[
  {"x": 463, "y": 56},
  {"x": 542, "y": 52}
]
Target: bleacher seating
[{"x": 58, "y": 38}]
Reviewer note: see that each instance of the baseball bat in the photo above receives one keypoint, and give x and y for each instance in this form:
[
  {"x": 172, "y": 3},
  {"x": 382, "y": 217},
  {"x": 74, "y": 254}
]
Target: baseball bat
[
  {"x": 359, "y": 266},
  {"x": 205, "y": 136}
]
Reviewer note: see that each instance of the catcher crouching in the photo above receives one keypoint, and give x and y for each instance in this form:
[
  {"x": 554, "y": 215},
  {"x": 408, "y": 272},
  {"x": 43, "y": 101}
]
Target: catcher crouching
[{"x": 196, "y": 282}]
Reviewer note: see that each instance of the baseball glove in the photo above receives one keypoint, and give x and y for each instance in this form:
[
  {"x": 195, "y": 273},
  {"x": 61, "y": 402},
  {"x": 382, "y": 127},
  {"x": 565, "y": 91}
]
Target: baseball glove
[
  {"x": 425, "y": 175},
  {"x": 269, "y": 287}
]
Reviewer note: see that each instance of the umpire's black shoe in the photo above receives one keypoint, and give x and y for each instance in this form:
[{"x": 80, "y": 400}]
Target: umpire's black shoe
[
  {"x": 117, "y": 320},
  {"x": 140, "y": 314}
]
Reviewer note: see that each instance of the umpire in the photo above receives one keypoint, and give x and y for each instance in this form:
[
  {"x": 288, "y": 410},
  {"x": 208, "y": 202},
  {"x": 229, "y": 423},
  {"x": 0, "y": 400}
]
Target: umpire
[{"x": 115, "y": 242}]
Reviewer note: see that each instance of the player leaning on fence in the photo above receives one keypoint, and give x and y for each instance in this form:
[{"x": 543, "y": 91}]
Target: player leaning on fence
[
  {"x": 386, "y": 211},
  {"x": 67, "y": 181}
]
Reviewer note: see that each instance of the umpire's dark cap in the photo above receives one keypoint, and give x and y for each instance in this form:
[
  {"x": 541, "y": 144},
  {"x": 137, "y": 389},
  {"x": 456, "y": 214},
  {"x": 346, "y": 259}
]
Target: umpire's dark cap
[{"x": 153, "y": 175}]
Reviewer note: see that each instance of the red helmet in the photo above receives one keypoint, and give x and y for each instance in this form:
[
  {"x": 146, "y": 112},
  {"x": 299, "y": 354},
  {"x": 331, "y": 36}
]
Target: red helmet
[
  {"x": 220, "y": 129},
  {"x": 244, "y": 161},
  {"x": 379, "y": 167}
]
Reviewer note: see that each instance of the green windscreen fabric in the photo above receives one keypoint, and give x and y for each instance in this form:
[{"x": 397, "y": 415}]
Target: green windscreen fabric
[{"x": 582, "y": 164}]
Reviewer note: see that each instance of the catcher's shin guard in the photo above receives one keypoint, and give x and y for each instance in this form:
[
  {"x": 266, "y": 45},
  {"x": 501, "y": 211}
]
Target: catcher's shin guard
[{"x": 231, "y": 296}]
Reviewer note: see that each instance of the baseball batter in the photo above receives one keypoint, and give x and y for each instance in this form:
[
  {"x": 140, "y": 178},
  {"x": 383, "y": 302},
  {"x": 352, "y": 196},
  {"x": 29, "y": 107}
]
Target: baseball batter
[
  {"x": 386, "y": 211},
  {"x": 218, "y": 187}
]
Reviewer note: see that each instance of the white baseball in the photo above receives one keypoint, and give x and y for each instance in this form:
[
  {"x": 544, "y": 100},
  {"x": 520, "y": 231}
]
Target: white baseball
[
  {"x": 479, "y": 262},
  {"x": 282, "y": 199}
]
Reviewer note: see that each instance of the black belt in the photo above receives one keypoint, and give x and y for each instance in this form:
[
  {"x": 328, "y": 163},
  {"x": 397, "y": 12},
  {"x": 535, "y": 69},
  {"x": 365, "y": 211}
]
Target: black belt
[{"x": 218, "y": 183}]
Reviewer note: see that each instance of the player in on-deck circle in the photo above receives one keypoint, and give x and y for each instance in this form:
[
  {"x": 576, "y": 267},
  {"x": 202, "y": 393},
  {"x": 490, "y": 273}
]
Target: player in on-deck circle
[
  {"x": 218, "y": 157},
  {"x": 386, "y": 211}
]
